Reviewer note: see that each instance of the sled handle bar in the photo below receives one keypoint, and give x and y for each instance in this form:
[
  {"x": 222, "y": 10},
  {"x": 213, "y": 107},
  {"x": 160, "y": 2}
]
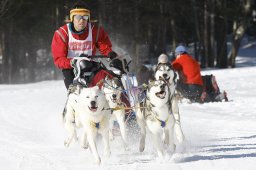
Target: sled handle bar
[{"x": 90, "y": 57}]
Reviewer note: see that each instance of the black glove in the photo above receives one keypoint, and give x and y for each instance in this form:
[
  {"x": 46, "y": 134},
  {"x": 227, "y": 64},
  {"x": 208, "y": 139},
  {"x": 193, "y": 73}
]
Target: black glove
[
  {"x": 86, "y": 65},
  {"x": 116, "y": 63},
  {"x": 112, "y": 55},
  {"x": 73, "y": 62},
  {"x": 83, "y": 55}
]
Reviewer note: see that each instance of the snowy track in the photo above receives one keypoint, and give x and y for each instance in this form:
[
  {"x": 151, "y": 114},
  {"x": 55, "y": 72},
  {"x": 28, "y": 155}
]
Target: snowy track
[{"x": 218, "y": 135}]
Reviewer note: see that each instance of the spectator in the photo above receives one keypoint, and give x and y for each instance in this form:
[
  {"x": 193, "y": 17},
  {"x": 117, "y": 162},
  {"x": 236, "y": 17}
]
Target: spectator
[{"x": 190, "y": 83}]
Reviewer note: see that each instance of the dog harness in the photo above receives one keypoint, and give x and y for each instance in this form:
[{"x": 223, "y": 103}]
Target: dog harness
[
  {"x": 152, "y": 114},
  {"x": 146, "y": 104},
  {"x": 95, "y": 124}
]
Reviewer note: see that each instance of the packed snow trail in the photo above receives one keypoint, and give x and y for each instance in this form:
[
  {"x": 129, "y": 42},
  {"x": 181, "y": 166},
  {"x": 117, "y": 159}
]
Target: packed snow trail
[{"x": 218, "y": 135}]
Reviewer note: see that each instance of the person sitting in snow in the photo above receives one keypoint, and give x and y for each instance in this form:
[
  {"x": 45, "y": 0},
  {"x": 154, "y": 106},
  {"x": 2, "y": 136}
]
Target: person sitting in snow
[{"x": 191, "y": 83}]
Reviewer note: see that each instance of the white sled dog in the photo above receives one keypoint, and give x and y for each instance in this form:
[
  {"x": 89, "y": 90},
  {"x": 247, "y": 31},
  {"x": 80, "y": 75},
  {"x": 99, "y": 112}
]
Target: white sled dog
[
  {"x": 165, "y": 71},
  {"x": 155, "y": 114},
  {"x": 88, "y": 108},
  {"x": 112, "y": 89}
]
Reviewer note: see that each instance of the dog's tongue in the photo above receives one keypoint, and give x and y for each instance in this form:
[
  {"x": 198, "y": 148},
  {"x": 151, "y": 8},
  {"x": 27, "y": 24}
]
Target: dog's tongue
[
  {"x": 94, "y": 109},
  {"x": 114, "y": 100},
  {"x": 160, "y": 94}
]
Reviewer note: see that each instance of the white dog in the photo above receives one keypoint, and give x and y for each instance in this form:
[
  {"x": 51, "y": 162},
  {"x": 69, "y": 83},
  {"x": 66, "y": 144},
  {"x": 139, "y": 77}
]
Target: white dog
[
  {"x": 113, "y": 90},
  {"x": 155, "y": 114},
  {"x": 165, "y": 71},
  {"x": 89, "y": 109}
]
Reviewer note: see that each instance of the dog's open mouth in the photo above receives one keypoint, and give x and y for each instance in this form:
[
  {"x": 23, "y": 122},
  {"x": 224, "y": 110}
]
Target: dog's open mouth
[
  {"x": 114, "y": 100},
  {"x": 93, "y": 108},
  {"x": 161, "y": 94},
  {"x": 167, "y": 79}
]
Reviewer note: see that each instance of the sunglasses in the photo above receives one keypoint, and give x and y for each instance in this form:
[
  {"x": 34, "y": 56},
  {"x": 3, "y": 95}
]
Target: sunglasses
[{"x": 84, "y": 17}]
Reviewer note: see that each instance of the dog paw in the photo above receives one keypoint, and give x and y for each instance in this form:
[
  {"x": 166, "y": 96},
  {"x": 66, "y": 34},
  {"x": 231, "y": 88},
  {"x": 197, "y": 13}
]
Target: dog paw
[
  {"x": 75, "y": 138},
  {"x": 111, "y": 136},
  {"x": 126, "y": 148},
  {"x": 172, "y": 148},
  {"x": 142, "y": 147},
  {"x": 67, "y": 142},
  {"x": 84, "y": 146},
  {"x": 107, "y": 154},
  {"x": 98, "y": 161},
  {"x": 142, "y": 144}
]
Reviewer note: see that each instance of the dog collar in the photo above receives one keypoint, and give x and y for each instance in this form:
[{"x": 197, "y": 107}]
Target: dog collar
[
  {"x": 162, "y": 123},
  {"x": 95, "y": 124}
]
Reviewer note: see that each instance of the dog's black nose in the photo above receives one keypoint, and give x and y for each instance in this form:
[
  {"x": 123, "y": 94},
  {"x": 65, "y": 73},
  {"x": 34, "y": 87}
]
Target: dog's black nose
[
  {"x": 93, "y": 103},
  {"x": 162, "y": 86},
  {"x": 164, "y": 75},
  {"x": 114, "y": 96}
]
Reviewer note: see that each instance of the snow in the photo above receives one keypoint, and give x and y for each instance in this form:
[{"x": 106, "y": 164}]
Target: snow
[{"x": 218, "y": 135}]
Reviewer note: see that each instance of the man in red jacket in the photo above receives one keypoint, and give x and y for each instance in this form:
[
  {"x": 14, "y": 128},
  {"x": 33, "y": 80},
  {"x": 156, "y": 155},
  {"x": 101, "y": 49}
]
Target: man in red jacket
[
  {"x": 190, "y": 82},
  {"x": 80, "y": 37}
]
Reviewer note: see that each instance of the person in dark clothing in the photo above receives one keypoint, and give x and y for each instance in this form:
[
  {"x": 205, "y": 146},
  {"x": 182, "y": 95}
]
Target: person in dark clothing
[
  {"x": 190, "y": 83},
  {"x": 144, "y": 74}
]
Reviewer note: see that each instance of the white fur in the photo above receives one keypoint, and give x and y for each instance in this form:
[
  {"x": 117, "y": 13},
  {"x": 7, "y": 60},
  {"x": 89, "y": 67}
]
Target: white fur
[
  {"x": 113, "y": 95},
  {"x": 164, "y": 71},
  {"x": 80, "y": 110},
  {"x": 149, "y": 117}
]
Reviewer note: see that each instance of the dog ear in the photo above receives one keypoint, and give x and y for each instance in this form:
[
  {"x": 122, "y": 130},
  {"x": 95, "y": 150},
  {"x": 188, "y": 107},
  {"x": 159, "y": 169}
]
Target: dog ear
[
  {"x": 175, "y": 76},
  {"x": 117, "y": 82},
  {"x": 96, "y": 87},
  {"x": 157, "y": 67},
  {"x": 151, "y": 80},
  {"x": 150, "y": 83}
]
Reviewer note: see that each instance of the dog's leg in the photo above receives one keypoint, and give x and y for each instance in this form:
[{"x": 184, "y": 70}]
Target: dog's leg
[
  {"x": 91, "y": 136},
  {"x": 69, "y": 124},
  {"x": 84, "y": 142},
  {"x": 171, "y": 125},
  {"x": 158, "y": 144},
  {"x": 120, "y": 115},
  {"x": 111, "y": 124},
  {"x": 105, "y": 138},
  {"x": 166, "y": 137},
  {"x": 177, "y": 125},
  {"x": 142, "y": 133}
]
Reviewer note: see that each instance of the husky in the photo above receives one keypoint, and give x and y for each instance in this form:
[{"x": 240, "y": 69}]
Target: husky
[
  {"x": 165, "y": 71},
  {"x": 155, "y": 114},
  {"x": 112, "y": 89},
  {"x": 89, "y": 109}
]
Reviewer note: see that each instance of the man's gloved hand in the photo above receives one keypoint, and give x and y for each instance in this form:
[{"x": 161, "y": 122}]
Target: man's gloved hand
[
  {"x": 112, "y": 55},
  {"x": 117, "y": 63},
  {"x": 83, "y": 55},
  {"x": 73, "y": 62}
]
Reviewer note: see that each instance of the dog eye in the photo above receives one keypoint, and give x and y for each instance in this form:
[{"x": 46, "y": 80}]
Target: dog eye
[
  {"x": 168, "y": 69},
  {"x": 87, "y": 97},
  {"x": 96, "y": 96}
]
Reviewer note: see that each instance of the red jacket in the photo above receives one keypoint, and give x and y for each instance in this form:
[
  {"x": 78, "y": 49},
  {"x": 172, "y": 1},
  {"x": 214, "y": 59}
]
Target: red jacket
[
  {"x": 188, "y": 68},
  {"x": 60, "y": 44},
  {"x": 60, "y": 48}
]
